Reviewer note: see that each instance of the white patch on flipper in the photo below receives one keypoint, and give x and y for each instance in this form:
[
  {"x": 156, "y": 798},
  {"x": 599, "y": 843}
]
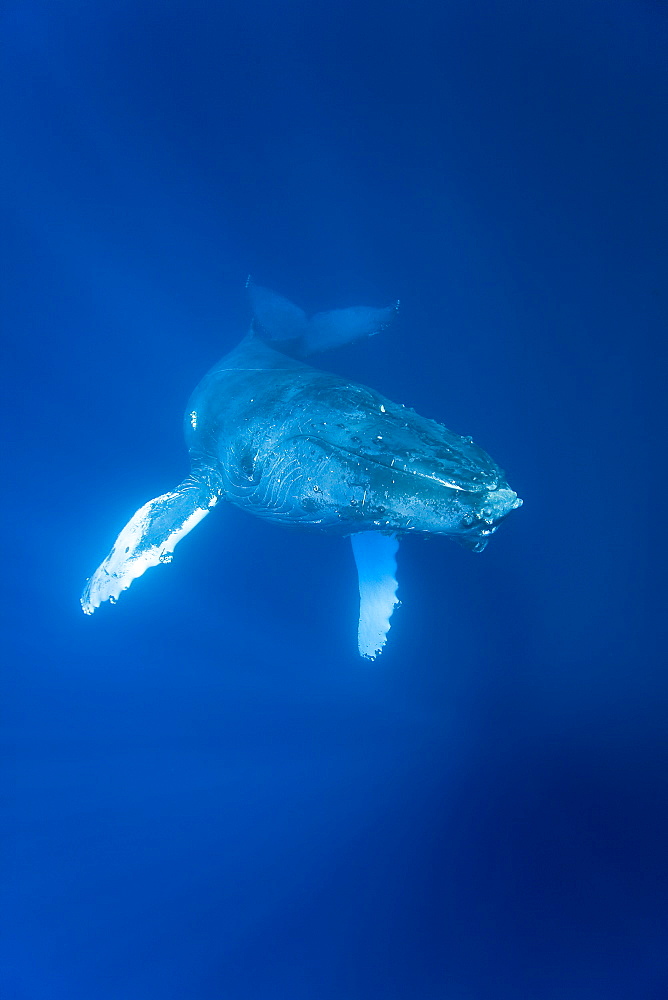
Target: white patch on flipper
[
  {"x": 376, "y": 567},
  {"x": 142, "y": 543}
]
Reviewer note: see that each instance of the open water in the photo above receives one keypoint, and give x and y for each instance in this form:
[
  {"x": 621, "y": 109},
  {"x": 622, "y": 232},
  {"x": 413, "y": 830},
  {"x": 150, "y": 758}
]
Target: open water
[{"x": 208, "y": 794}]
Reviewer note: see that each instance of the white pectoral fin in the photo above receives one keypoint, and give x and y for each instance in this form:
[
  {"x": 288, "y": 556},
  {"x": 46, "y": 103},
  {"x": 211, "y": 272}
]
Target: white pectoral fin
[
  {"x": 375, "y": 555},
  {"x": 148, "y": 539}
]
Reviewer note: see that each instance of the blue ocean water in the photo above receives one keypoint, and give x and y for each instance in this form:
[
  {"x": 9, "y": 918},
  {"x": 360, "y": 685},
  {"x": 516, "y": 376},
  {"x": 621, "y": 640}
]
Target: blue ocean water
[{"x": 208, "y": 794}]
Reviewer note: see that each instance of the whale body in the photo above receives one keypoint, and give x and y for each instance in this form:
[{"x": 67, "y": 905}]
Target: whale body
[{"x": 304, "y": 448}]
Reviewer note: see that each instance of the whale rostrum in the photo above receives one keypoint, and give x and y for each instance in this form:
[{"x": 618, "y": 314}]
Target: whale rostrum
[{"x": 305, "y": 448}]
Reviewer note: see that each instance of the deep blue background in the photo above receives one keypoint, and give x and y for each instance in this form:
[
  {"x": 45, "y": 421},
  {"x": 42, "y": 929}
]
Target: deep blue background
[{"x": 209, "y": 794}]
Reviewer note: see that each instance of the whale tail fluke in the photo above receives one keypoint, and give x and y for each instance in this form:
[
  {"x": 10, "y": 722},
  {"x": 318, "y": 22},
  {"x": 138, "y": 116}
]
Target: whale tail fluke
[
  {"x": 148, "y": 539},
  {"x": 289, "y": 329}
]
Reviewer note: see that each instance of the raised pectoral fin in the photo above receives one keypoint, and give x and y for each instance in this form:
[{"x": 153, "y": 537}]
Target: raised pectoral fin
[
  {"x": 148, "y": 539},
  {"x": 375, "y": 555}
]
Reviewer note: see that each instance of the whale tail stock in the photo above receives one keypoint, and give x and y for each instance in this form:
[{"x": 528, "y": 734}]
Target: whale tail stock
[
  {"x": 148, "y": 539},
  {"x": 287, "y": 327}
]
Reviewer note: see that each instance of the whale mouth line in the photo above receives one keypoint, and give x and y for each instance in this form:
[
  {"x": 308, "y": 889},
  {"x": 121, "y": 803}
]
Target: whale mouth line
[
  {"x": 409, "y": 473},
  {"x": 485, "y": 526}
]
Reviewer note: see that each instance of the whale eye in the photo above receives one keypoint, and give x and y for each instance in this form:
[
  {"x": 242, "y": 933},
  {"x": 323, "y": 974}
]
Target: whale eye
[{"x": 246, "y": 464}]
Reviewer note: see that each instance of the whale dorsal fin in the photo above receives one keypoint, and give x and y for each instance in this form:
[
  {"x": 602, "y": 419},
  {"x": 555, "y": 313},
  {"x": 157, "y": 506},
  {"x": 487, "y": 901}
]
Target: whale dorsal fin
[
  {"x": 288, "y": 329},
  {"x": 375, "y": 556}
]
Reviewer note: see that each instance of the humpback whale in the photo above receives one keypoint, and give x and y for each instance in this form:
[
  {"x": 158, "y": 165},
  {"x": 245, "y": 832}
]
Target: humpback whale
[{"x": 304, "y": 448}]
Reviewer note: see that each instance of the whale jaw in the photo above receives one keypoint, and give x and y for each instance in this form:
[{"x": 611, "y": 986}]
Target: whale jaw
[{"x": 478, "y": 527}]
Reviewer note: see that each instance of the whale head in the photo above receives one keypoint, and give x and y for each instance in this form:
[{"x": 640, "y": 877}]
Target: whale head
[{"x": 375, "y": 465}]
